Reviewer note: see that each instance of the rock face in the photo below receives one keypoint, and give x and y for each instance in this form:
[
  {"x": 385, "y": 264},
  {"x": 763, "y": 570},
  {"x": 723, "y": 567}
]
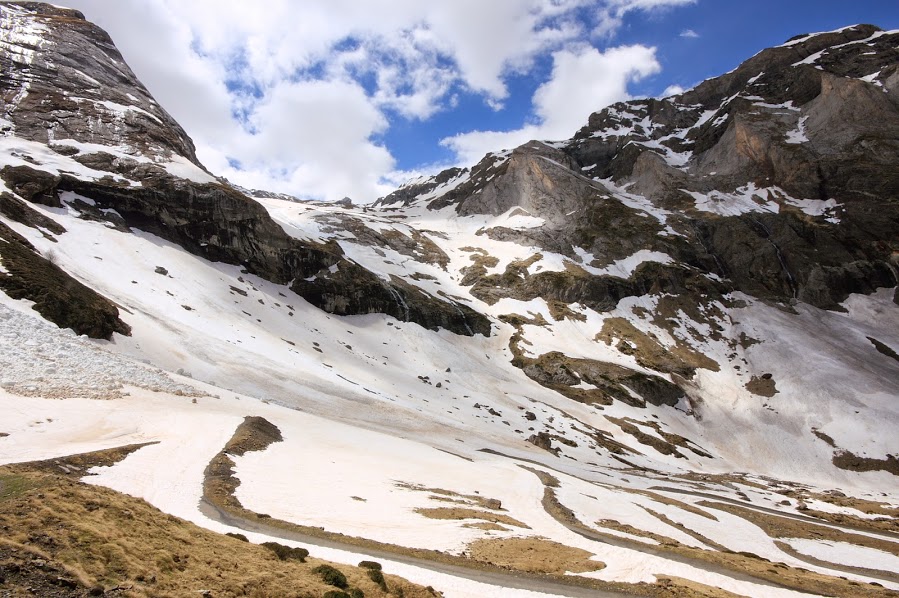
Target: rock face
[
  {"x": 57, "y": 296},
  {"x": 69, "y": 93},
  {"x": 65, "y": 81}
]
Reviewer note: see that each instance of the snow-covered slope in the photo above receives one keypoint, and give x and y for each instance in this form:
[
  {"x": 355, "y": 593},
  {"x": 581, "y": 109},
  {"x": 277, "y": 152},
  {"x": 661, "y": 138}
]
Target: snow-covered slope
[{"x": 659, "y": 314}]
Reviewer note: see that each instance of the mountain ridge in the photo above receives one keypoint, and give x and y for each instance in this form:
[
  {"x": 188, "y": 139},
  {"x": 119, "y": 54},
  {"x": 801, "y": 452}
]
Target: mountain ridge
[{"x": 693, "y": 296}]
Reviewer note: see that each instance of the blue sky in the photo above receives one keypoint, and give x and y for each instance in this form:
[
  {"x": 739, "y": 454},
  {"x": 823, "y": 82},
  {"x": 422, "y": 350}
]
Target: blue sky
[{"x": 331, "y": 98}]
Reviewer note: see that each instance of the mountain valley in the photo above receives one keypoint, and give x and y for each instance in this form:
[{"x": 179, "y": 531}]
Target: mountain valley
[{"x": 658, "y": 358}]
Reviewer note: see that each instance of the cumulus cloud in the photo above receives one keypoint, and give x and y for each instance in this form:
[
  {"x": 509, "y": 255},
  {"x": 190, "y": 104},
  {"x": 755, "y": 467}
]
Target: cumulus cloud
[
  {"x": 611, "y": 13},
  {"x": 689, "y": 34},
  {"x": 672, "y": 90},
  {"x": 582, "y": 81},
  {"x": 293, "y": 96}
]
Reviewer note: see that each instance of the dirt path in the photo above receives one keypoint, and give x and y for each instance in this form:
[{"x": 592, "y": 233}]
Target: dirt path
[{"x": 521, "y": 581}]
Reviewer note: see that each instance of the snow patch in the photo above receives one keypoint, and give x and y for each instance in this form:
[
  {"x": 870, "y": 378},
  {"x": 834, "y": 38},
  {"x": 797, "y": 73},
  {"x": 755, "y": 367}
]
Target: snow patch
[
  {"x": 183, "y": 168},
  {"x": 798, "y": 135},
  {"x": 843, "y": 552},
  {"x": 742, "y": 201}
]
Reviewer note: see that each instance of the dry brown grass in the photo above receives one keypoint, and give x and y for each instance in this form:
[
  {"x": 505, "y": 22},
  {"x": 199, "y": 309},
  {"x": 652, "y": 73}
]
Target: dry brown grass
[
  {"x": 462, "y": 513},
  {"x": 488, "y": 527},
  {"x": 888, "y": 520},
  {"x": 537, "y": 555},
  {"x": 675, "y": 587},
  {"x": 103, "y": 539},
  {"x": 649, "y": 352},
  {"x": 614, "y": 524}
]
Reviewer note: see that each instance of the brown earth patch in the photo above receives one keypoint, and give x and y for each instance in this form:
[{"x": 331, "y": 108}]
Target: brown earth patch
[
  {"x": 254, "y": 434},
  {"x": 662, "y": 446},
  {"x": 614, "y": 524},
  {"x": 487, "y": 526},
  {"x": 763, "y": 386},
  {"x": 683, "y": 528},
  {"x": 889, "y": 516},
  {"x": 826, "y": 438},
  {"x": 855, "y": 568},
  {"x": 537, "y": 555},
  {"x": 462, "y": 513},
  {"x": 671, "y": 502},
  {"x": 77, "y": 465},
  {"x": 560, "y": 310},
  {"x": 481, "y": 261},
  {"x": 745, "y": 563},
  {"x": 650, "y": 353},
  {"x": 557, "y": 371},
  {"x": 449, "y": 495},
  {"x": 678, "y": 587},
  {"x": 847, "y": 460},
  {"x": 669, "y": 437}
]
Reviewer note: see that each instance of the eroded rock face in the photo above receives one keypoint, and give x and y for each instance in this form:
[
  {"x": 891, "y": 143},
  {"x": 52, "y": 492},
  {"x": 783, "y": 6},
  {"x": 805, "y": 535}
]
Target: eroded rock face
[
  {"x": 67, "y": 84},
  {"x": 349, "y": 289},
  {"x": 57, "y": 296}
]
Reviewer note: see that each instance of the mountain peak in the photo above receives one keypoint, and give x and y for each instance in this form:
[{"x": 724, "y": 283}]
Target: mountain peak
[{"x": 68, "y": 87}]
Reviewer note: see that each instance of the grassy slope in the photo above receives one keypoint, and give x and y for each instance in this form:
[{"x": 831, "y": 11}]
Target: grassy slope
[{"x": 69, "y": 537}]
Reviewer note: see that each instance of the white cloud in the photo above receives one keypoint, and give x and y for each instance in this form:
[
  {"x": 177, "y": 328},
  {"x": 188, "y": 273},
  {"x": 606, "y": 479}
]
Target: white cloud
[
  {"x": 583, "y": 81},
  {"x": 689, "y": 34},
  {"x": 672, "y": 90},
  {"x": 297, "y": 92},
  {"x": 612, "y": 12}
]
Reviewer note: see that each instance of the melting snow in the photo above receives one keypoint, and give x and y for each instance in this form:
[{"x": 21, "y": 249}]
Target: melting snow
[
  {"x": 183, "y": 168},
  {"x": 798, "y": 135},
  {"x": 842, "y": 552},
  {"x": 745, "y": 199}
]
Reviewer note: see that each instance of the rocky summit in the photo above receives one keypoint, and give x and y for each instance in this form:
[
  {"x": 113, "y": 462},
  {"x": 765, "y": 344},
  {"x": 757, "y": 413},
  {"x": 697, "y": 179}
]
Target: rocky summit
[{"x": 668, "y": 344}]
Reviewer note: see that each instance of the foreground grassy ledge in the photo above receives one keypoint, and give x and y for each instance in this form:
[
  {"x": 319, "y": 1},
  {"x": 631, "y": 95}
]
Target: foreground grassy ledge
[{"x": 61, "y": 537}]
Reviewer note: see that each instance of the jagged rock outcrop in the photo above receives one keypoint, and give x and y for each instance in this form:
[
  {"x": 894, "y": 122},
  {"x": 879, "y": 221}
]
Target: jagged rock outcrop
[
  {"x": 57, "y": 296},
  {"x": 347, "y": 291},
  {"x": 64, "y": 81}
]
